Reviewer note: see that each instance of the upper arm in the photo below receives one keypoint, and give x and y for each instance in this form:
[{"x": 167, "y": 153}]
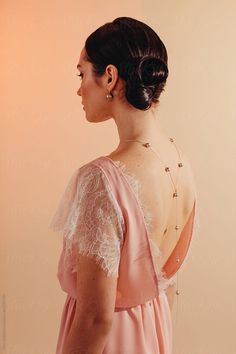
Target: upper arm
[
  {"x": 96, "y": 292},
  {"x": 97, "y": 241}
]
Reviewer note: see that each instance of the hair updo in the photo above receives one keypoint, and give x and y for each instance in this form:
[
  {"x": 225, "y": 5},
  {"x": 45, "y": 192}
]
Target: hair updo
[{"x": 139, "y": 55}]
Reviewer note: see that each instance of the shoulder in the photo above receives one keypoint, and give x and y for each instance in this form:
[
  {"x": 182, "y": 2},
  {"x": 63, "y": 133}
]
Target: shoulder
[
  {"x": 86, "y": 180},
  {"x": 89, "y": 170},
  {"x": 92, "y": 171},
  {"x": 96, "y": 166}
]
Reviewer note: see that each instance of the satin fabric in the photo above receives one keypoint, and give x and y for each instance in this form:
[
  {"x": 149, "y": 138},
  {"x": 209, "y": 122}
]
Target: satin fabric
[{"x": 142, "y": 322}]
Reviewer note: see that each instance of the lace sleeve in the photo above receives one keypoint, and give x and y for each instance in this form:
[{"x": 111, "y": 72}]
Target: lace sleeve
[{"x": 91, "y": 219}]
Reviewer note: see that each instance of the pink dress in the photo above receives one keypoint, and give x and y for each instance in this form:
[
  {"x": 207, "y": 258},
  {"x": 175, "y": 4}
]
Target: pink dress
[{"x": 100, "y": 215}]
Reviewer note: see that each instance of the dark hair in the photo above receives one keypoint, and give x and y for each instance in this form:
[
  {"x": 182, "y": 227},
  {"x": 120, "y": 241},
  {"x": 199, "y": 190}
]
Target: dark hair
[{"x": 138, "y": 53}]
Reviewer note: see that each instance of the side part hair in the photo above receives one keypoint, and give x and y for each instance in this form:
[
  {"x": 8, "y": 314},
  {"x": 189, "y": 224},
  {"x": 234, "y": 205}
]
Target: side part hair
[{"x": 139, "y": 55}]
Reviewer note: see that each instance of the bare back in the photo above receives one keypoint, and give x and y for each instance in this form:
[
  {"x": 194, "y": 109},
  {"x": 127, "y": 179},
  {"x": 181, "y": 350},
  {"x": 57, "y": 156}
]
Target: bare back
[{"x": 156, "y": 191}]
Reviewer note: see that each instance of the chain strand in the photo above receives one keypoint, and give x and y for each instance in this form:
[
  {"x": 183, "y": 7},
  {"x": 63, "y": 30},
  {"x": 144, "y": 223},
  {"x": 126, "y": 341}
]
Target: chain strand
[{"x": 175, "y": 191}]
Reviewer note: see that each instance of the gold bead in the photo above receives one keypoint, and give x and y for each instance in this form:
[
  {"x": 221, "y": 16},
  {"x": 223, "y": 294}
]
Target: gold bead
[
  {"x": 176, "y": 227},
  {"x": 177, "y": 292},
  {"x": 146, "y": 145},
  {"x": 171, "y": 139},
  {"x": 180, "y": 164},
  {"x": 177, "y": 260},
  {"x": 175, "y": 194},
  {"x": 167, "y": 169}
]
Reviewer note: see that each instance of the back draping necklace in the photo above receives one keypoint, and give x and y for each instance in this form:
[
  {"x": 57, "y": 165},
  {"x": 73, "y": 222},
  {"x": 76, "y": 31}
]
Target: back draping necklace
[{"x": 175, "y": 191}]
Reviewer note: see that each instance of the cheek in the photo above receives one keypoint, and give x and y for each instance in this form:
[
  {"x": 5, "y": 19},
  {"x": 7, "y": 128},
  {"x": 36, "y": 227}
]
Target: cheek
[
  {"x": 85, "y": 87},
  {"x": 91, "y": 93}
]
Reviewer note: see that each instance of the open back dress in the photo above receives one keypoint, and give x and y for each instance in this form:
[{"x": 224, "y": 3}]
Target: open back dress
[{"x": 100, "y": 215}]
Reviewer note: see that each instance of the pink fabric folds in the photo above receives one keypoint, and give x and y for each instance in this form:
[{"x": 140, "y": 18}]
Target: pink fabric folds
[{"x": 142, "y": 321}]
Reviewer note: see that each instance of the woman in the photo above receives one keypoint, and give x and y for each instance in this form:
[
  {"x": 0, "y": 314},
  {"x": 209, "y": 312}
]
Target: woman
[{"x": 128, "y": 217}]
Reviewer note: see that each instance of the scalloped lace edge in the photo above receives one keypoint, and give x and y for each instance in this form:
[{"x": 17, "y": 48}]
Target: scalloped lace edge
[{"x": 164, "y": 282}]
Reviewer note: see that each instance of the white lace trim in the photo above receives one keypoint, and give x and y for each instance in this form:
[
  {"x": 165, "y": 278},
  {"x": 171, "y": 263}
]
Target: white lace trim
[
  {"x": 164, "y": 282},
  {"x": 136, "y": 186},
  {"x": 91, "y": 220}
]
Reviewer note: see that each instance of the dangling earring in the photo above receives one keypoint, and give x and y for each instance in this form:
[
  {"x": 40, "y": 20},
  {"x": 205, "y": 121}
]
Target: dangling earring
[{"x": 109, "y": 96}]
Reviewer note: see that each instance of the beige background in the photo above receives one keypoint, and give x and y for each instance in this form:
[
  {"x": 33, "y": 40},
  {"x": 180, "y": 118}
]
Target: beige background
[{"x": 45, "y": 137}]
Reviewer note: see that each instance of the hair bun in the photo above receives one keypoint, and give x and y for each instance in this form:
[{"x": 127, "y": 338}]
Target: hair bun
[
  {"x": 152, "y": 71},
  {"x": 147, "y": 70},
  {"x": 145, "y": 77}
]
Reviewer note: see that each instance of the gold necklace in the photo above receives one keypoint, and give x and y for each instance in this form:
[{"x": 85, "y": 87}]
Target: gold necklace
[{"x": 175, "y": 191}]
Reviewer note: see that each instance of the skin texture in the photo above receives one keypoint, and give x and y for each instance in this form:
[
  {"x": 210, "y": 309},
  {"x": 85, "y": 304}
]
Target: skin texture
[
  {"x": 96, "y": 292},
  {"x": 131, "y": 122}
]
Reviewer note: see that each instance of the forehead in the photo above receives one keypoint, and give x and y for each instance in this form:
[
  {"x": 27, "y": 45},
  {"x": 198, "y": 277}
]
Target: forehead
[{"x": 82, "y": 61}]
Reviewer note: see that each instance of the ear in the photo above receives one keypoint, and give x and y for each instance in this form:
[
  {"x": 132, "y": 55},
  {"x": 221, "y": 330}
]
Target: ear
[{"x": 111, "y": 77}]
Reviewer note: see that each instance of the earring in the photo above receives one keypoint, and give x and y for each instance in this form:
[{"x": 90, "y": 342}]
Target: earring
[{"x": 109, "y": 96}]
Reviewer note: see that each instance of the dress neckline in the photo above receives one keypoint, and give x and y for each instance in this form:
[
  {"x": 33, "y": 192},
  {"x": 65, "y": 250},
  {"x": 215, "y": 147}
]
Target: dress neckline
[
  {"x": 161, "y": 277},
  {"x": 117, "y": 164},
  {"x": 153, "y": 247}
]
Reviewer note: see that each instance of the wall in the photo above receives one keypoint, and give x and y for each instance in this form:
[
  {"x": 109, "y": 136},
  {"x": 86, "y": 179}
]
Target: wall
[{"x": 45, "y": 136}]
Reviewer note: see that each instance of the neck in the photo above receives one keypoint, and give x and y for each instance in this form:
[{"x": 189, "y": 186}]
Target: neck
[{"x": 146, "y": 129}]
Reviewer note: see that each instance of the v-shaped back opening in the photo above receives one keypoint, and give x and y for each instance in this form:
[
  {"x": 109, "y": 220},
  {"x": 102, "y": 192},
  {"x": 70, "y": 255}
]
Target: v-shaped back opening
[
  {"x": 152, "y": 244},
  {"x": 138, "y": 202}
]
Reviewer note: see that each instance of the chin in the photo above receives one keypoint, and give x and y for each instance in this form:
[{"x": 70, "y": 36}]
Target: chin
[{"x": 96, "y": 119}]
